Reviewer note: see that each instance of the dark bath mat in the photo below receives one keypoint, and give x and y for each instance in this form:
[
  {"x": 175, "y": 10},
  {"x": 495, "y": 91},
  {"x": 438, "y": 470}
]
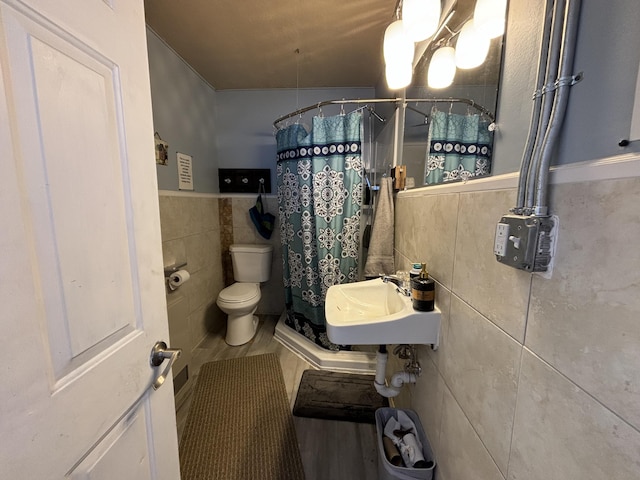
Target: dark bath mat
[
  {"x": 338, "y": 396},
  {"x": 239, "y": 424}
]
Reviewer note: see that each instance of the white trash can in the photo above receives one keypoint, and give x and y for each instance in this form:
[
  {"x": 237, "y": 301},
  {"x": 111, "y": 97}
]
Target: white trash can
[{"x": 387, "y": 471}]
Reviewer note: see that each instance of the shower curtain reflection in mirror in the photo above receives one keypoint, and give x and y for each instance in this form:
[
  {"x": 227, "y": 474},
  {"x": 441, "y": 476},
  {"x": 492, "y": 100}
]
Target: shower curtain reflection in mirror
[
  {"x": 459, "y": 147},
  {"x": 319, "y": 182}
]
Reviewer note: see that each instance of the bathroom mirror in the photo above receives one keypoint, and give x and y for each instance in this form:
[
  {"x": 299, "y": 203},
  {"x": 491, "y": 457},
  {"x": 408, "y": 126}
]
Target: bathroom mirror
[{"x": 479, "y": 85}]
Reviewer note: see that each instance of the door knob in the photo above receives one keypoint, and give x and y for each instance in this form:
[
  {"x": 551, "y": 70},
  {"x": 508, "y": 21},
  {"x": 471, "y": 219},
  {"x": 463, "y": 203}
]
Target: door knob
[{"x": 159, "y": 353}]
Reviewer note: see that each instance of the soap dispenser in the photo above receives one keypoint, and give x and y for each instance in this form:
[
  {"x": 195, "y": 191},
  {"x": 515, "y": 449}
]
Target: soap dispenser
[
  {"x": 423, "y": 291},
  {"x": 415, "y": 270}
]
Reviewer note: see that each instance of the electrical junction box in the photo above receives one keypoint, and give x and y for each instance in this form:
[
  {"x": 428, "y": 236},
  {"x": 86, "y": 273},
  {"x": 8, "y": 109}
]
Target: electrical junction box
[{"x": 525, "y": 242}]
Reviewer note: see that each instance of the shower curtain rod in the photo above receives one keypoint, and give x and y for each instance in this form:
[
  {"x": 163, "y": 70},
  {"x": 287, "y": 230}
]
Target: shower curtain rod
[{"x": 467, "y": 101}]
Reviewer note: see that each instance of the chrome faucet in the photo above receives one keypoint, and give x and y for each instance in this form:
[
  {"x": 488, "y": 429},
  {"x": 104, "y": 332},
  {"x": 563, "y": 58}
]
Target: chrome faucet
[{"x": 397, "y": 282}]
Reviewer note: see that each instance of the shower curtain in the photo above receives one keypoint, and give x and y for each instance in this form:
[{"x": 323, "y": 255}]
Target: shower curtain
[
  {"x": 459, "y": 147},
  {"x": 319, "y": 180}
]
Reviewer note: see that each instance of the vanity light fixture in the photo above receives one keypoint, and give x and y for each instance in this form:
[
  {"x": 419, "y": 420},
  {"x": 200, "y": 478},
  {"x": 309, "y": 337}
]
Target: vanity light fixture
[
  {"x": 490, "y": 17},
  {"x": 398, "y": 75},
  {"x": 472, "y": 46},
  {"x": 398, "y": 56},
  {"x": 442, "y": 68},
  {"x": 421, "y": 18},
  {"x": 397, "y": 46}
]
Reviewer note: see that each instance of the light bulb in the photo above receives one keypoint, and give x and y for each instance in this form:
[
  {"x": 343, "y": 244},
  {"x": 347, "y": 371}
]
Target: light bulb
[
  {"x": 397, "y": 46},
  {"x": 490, "y": 16},
  {"x": 398, "y": 75},
  {"x": 421, "y": 18},
  {"x": 472, "y": 47},
  {"x": 442, "y": 68}
]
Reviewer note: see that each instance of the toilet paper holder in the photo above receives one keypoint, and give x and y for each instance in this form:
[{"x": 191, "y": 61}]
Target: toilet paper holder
[
  {"x": 173, "y": 269},
  {"x": 176, "y": 277}
]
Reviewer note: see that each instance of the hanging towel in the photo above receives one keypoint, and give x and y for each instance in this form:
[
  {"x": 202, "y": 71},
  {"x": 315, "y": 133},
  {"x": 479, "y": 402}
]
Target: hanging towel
[
  {"x": 380, "y": 255},
  {"x": 263, "y": 221}
]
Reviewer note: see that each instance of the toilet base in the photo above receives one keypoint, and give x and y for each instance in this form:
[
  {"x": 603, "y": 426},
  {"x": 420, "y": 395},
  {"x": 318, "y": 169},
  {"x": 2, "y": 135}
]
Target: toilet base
[{"x": 241, "y": 329}]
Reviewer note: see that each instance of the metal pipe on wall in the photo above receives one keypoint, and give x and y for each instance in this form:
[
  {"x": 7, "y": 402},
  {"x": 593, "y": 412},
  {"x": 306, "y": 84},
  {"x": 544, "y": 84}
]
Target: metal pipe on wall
[
  {"x": 565, "y": 81},
  {"x": 537, "y": 105},
  {"x": 548, "y": 100}
]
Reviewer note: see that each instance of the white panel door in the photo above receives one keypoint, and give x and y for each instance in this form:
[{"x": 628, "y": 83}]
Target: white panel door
[{"x": 82, "y": 299}]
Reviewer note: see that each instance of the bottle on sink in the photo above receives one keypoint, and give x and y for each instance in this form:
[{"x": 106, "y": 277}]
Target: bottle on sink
[
  {"x": 423, "y": 291},
  {"x": 415, "y": 270}
]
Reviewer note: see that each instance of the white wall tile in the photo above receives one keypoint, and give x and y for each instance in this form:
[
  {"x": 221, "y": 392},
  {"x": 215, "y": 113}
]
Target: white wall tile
[
  {"x": 427, "y": 396},
  {"x": 585, "y": 319},
  {"x": 443, "y": 302},
  {"x": 462, "y": 456},
  {"x": 426, "y": 232},
  {"x": 174, "y": 252},
  {"x": 563, "y": 433},
  {"x": 178, "y": 313},
  {"x": 481, "y": 365},
  {"x": 190, "y": 232},
  {"x": 499, "y": 292}
]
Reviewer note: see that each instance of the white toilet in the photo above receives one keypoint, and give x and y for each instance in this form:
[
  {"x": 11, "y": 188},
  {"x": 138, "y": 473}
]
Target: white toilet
[{"x": 251, "y": 265}]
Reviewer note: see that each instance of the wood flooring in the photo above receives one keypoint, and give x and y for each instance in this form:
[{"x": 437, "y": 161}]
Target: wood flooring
[{"x": 330, "y": 449}]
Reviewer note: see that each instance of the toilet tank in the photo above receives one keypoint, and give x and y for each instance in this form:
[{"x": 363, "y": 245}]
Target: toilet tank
[{"x": 251, "y": 263}]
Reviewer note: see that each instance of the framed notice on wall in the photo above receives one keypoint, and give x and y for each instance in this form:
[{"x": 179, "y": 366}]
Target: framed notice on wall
[{"x": 185, "y": 172}]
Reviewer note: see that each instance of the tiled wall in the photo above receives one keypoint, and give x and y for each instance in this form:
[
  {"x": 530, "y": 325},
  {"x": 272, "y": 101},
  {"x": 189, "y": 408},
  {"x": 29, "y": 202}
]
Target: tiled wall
[
  {"x": 191, "y": 233},
  {"x": 534, "y": 378}
]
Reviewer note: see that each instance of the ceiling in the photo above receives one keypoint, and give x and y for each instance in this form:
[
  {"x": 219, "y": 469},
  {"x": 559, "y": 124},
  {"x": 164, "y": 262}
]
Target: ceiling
[
  {"x": 252, "y": 44},
  {"x": 248, "y": 44}
]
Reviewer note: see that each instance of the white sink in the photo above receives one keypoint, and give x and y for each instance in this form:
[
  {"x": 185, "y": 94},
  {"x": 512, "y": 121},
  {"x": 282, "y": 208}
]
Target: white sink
[{"x": 375, "y": 313}]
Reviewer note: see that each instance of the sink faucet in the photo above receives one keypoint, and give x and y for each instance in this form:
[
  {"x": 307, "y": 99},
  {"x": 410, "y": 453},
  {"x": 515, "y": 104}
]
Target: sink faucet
[{"x": 397, "y": 282}]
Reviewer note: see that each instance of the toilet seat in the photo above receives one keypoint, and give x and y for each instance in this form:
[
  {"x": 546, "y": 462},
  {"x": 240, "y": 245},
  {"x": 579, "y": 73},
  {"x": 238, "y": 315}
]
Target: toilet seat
[{"x": 240, "y": 292}]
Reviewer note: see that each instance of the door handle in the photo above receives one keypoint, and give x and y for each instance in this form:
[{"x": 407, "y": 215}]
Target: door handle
[{"x": 159, "y": 353}]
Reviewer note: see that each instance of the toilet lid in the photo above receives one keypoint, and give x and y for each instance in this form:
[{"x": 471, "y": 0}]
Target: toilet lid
[{"x": 240, "y": 292}]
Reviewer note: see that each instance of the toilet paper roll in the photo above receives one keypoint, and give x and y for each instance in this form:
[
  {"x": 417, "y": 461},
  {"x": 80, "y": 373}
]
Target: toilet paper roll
[
  {"x": 410, "y": 450},
  {"x": 178, "y": 278},
  {"x": 391, "y": 452}
]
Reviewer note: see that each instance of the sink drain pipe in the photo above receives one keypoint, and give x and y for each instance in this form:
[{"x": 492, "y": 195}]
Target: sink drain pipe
[{"x": 397, "y": 380}]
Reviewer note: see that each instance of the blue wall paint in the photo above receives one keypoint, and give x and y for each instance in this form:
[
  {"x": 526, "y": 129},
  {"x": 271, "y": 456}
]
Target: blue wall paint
[
  {"x": 221, "y": 129},
  {"x": 600, "y": 107},
  {"x": 233, "y": 128},
  {"x": 183, "y": 115},
  {"x": 245, "y": 134}
]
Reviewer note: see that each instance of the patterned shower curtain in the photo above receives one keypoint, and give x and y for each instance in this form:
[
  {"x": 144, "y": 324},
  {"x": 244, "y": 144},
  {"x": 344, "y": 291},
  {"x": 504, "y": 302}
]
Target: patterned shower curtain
[
  {"x": 319, "y": 179},
  {"x": 459, "y": 147}
]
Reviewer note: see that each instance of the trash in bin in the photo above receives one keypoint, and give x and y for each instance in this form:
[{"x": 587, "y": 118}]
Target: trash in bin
[
  {"x": 402, "y": 432},
  {"x": 403, "y": 449},
  {"x": 391, "y": 452}
]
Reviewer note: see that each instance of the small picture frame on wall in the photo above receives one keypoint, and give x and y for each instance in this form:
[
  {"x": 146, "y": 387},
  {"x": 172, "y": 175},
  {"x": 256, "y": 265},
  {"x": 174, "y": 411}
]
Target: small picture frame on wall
[{"x": 162, "y": 150}]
